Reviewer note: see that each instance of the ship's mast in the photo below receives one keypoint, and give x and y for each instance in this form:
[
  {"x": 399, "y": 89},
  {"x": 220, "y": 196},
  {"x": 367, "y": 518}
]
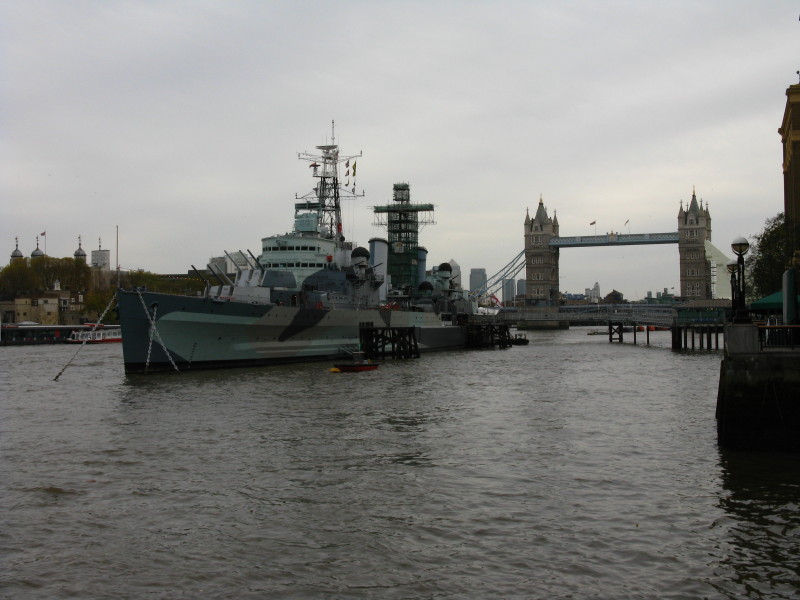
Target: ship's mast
[{"x": 329, "y": 189}]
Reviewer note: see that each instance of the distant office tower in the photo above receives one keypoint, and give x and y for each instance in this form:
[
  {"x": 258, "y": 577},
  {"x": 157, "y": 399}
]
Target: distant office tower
[
  {"x": 520, "y": 287},
  {"x": 509, "y": 291},
  {"x": 455, "y": 269},
  {"x": 477, "y": 279},
  {"x": 593, "y": 293}
]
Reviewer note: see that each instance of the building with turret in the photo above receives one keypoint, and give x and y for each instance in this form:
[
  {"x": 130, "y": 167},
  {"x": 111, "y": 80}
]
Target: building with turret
[
  {"x": 80, "y": 254},
  {"x": 37, "y": 253},
  {"x": 790, "y": 139},
  {"x": 694, "y": 230},
  {"x": 541, "y": 259},
  {"x": 17, "y": 254}
]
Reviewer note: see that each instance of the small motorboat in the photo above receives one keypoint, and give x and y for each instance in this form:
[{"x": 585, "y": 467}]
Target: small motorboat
[
  {"x": 520, "y": 339},
  {"x": 360, "y": 363}
]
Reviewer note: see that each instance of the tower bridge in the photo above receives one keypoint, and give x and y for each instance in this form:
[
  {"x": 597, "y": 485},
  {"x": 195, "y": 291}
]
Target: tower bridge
[{"x": 699, "y": 260}]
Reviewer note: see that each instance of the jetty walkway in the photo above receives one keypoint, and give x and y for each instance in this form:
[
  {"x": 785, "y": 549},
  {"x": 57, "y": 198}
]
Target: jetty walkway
[{"x": 691, "y": 327}]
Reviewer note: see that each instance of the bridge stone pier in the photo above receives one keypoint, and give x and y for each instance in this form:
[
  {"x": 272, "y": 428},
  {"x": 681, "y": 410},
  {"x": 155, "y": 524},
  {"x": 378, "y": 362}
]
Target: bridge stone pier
[{"x": 698, "y": 259}]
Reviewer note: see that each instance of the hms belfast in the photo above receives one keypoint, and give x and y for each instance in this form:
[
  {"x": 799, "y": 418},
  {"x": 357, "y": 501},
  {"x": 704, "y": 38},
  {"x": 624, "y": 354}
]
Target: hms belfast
[{"x": 307, "y": 296}]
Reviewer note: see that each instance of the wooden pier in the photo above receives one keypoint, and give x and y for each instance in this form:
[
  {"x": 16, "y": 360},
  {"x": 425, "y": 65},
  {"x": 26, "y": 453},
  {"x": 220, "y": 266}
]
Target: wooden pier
[
  {"x": 393, "y": 342},
  {"x": 696, "y": 336},
  {"x": 487, "y": 334}
]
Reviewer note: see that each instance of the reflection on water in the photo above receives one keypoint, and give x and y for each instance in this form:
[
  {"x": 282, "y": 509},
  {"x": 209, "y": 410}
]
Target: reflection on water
[
  {"x": 761, "y": 501},
  {"x": 568, "y": 468}
]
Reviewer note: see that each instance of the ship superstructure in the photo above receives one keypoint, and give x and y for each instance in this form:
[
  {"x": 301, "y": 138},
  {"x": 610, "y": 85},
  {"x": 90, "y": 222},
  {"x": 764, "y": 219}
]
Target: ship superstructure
[
  {"x": 317, "y": 240},
  {"x": 402, "y": 220},
  {"x": 305, "y": 297}
]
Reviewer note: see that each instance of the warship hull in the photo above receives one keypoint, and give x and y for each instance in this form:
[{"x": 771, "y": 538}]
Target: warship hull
[{"x": 163, "y": 332}]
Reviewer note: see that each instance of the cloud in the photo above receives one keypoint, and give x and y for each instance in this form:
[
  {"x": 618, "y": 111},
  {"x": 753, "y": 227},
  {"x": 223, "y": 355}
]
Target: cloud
[{"x": 180, "y": 121}]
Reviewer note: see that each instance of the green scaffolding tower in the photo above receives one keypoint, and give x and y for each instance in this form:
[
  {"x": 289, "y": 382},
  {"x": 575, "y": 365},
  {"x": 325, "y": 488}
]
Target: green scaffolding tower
[{"x": 402, "y": 220}]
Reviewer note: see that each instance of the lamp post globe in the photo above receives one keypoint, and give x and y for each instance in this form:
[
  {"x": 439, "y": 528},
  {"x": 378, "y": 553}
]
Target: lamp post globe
[{"x": 740, "y": 246}]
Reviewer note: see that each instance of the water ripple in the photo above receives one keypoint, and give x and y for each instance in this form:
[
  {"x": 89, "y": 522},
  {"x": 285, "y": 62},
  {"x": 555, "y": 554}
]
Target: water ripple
[{"x": 569, "y": 468}]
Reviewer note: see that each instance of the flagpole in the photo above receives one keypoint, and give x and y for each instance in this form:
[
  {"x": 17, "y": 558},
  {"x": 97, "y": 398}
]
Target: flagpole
[{"x": 117, "y": 252}]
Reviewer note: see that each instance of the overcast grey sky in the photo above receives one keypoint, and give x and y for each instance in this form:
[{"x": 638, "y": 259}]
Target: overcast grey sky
[{"x": 180, "y": 122}]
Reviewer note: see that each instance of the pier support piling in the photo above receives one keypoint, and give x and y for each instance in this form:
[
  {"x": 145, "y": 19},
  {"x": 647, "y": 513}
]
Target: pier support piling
[
  {"x": 615, "y": 332},
  {"x": 396, "y": 342}
]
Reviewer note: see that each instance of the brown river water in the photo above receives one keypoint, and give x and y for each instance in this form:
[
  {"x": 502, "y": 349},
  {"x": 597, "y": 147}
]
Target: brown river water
[{"x": 568, "y": 468}]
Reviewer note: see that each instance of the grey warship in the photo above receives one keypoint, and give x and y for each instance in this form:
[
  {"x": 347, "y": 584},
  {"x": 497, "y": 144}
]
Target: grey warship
[{"x": 304, "y": 298}]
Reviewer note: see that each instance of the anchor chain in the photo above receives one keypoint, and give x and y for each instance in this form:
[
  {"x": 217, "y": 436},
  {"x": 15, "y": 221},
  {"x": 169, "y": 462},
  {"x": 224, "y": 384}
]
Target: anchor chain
[
  {"x": 150, "y": 340},
  {"x": 86, "y": 339},
  {"x": 153, "y": 330}
]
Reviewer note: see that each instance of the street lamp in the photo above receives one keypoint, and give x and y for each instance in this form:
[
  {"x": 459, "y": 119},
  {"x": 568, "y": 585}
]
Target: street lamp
[
  {"x": 740, "y": 246},
  {"x": 733, "y": 267}
]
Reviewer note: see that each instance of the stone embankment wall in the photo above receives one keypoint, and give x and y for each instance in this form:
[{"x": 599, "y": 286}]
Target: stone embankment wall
[{"x": 758, "y": 403}]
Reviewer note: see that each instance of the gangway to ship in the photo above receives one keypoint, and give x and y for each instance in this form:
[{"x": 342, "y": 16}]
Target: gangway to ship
[{"x": 495, "y": 282}]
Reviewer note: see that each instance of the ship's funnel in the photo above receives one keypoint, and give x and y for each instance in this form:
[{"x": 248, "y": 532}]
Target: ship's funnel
[
  {"x": 422, "y": 263},
  {"x": 379, "y": 259}
]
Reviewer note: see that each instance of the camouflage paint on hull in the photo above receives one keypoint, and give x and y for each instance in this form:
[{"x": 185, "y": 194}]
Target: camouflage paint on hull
[{"x": 201, "y": 333}]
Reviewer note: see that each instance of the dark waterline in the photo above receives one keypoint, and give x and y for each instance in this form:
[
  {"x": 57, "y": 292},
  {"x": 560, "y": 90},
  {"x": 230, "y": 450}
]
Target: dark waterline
[{"x": 568, "y": 468}]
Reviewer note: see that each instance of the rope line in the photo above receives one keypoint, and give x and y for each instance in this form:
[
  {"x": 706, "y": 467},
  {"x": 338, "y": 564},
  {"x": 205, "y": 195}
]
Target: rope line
[{"x": 86, "y": 339}]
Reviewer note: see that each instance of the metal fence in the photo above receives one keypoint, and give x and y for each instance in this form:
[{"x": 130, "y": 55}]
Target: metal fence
[{"x": 779, "y": 336}]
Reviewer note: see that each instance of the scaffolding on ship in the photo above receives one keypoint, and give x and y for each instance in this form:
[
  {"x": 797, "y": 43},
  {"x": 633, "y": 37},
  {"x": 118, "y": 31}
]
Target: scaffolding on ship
[{"x": 403, "y": 220}]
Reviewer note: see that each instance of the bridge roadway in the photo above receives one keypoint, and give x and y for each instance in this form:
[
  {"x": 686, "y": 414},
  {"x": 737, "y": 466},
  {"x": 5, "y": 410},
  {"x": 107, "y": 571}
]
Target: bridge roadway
[
  {"x": 615, "y": 239},
  {"x": 600, "y": 314}
]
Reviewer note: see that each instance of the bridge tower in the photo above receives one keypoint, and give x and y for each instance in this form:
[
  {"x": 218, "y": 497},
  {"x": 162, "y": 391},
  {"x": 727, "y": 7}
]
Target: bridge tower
[
  {"x": 541, "y": 259},
  {"x": 694, "y": 230}
]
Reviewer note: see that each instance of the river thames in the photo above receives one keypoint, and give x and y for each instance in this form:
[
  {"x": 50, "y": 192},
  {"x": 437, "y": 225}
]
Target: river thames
[{"x": 568, "y": 468}]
